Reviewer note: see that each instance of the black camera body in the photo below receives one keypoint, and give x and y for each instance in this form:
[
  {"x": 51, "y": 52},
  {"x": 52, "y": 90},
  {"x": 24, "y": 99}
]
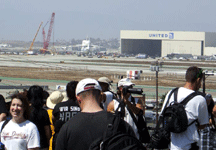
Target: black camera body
[{"x": 127, "y": 89}]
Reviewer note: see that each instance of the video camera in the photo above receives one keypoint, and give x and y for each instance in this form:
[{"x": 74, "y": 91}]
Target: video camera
[{"x": 127, "y": 89}]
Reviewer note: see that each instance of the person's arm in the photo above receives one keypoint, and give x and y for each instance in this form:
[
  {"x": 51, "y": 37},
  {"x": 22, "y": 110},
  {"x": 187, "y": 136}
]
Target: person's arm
[
  {"x": 202, "y": 126},
  {"x": 37, "y": 148},
  {"x": 53, "y": 119},
  {"x": 3, "y": 116},
  {"x": 110, "y": 107},
  {"x": 132, "y": 107},
  {"x": 62, "y": 140},
  {"x": 48, "y": 133},
  {"x": 140, "y": 104}
]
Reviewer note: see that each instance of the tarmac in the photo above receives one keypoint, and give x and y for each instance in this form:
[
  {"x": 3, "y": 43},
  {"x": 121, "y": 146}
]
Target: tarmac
[{"x": 72, "y": 62}]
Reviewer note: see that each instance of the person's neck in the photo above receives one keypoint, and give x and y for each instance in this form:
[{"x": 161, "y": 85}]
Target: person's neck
[
  {"x": 18, "y": 121},
  {"x": 189, "y": 86},
  {"x": 91, "y": 107}
]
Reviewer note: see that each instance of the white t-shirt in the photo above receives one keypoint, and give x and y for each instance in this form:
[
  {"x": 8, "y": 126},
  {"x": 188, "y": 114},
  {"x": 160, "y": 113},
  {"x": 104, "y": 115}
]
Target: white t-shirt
[
  {"x": 109, "y": 98},
  {"x": 128, "y": 118},
  {"x": 196, "y": 108},
  {"x": 20, "y": 136}
]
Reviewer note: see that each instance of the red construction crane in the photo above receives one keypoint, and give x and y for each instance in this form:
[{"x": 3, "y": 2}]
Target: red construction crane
[{"x": 47, "y": 40}]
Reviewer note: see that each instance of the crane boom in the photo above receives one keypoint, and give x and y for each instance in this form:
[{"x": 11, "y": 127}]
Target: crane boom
[
  {"x": 46, "y": 43},
  {"x": 30, "y": 48}
]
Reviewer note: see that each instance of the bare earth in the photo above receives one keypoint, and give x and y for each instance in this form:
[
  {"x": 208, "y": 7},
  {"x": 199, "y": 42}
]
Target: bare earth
[{"x": 68, "y": 75}]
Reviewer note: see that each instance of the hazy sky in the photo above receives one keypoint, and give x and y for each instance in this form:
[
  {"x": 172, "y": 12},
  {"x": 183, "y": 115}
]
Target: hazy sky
[{"x": 20, "y": 19}]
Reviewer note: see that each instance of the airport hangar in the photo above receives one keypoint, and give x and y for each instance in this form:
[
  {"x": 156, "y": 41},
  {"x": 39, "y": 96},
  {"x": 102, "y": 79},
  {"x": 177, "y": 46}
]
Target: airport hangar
[{"x": 161, "y": 43}]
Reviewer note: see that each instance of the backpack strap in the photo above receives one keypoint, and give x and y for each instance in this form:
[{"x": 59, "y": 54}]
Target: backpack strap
[
  {"x": 122, "y": 108},
  {"x": 175, "y": 90},
  {"x": 187, "y": 99},
  {"x": 161, "y": 116},
  {"x": 175, "y": 95},
  {"x": 4, "y": 124},
  {"x": 113, "y": 125}
]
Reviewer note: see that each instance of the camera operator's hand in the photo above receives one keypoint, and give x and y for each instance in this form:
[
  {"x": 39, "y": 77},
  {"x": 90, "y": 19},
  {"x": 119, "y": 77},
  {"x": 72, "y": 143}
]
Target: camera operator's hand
[{"x": 126, "y": 97}]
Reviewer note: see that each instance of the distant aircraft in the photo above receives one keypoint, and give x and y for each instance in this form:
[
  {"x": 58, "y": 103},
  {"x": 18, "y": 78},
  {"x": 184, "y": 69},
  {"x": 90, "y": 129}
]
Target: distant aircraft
[{"x": 141, "y": 56}]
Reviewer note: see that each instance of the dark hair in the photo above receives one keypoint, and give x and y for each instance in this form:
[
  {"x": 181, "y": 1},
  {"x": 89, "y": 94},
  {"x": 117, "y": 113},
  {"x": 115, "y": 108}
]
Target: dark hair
[
  {"x": 25, "y": 104},
  {"x": 35, "y": 96},
  {"x": 211, "y": 106},
  {"x": 70, "y": 90},
  {"x": 2, "y": 98},
  {"x": 193, "y": 73},
  {"x": 45, "y": 96}
]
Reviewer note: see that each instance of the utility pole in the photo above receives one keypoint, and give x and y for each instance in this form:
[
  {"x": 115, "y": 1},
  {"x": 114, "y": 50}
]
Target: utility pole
[
  {"x": 205, "y": 75},
  {"x": 155, "y": 67}
]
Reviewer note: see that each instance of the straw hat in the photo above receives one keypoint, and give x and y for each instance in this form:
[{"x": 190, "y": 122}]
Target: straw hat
[
  {"x": 65, "y": 96},
  {"x": 54, "y": 98}
]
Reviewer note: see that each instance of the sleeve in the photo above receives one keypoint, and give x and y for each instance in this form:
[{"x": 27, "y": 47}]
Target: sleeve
[
  {"x": 61, "y": 141},
  {"x": 202, "y": 111},
  {"x": 34, "y": 138}
]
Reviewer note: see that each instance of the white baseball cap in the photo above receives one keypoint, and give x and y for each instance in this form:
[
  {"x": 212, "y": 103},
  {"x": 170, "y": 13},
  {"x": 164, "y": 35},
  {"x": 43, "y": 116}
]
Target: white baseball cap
[
  {"x": 125, "y": 82},
  {"x": 87, "y": 84}
]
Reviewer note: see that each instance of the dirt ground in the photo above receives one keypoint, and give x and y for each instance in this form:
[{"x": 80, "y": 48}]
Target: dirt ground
[{"x": 68, "y": 75}]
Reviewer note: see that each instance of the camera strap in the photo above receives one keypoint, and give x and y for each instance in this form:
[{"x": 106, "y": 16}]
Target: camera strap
[
  {"x": 121, "y": 106},
  {"x": 133, "y": 100}
]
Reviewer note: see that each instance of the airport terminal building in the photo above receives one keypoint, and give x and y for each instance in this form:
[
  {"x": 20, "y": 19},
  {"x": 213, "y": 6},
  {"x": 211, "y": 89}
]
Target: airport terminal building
[{"x": 161, "y": 43}]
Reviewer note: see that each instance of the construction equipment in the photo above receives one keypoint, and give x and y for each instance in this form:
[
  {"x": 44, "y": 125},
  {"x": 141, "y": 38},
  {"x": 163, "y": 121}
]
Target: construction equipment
[
  {"x": 47, "y": 40},
  {"x": 30, "y": 48}
]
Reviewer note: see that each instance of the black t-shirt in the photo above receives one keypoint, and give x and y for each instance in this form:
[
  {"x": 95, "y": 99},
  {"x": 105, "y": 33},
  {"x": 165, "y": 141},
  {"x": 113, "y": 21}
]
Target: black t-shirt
[
  {"x": 41, "y": 120},
  {"x": 63, "y": 112},
  {"x": 3, "y": 108},
  {"x": 79, "y": 132}
]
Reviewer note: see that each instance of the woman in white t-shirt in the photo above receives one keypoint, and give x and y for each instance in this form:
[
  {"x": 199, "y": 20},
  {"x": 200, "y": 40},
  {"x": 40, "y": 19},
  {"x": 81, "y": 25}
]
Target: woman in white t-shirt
[{"x": 19, "y": 132}]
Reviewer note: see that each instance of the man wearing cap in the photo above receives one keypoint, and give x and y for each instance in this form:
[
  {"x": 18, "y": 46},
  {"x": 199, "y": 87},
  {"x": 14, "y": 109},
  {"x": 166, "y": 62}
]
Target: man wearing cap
[
  {"x": 107, "y": 94},
  {"x": 65, "y": 110},
  {"x": 88, "y": 125},
  {"x": 134, "y": 104}
]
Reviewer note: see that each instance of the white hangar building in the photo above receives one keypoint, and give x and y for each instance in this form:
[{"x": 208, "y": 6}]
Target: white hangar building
[{"x": 161, "y": 43}]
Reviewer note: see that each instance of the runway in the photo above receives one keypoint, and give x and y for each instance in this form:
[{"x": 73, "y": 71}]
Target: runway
[{"x": 108, "y": 64}]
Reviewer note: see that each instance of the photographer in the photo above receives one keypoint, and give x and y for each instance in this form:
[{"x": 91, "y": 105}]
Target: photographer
[
  {"x": 125, "y": 87},
  {"x": 107, "y": 95}
]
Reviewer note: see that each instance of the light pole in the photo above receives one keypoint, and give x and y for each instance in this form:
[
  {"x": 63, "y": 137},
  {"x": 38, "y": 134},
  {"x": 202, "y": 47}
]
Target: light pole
[
  {"x": 155, "y": 66},
  {"x": 205, "y": 75}
]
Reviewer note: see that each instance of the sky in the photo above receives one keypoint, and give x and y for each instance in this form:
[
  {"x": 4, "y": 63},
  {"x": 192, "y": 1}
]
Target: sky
[{"x": 78, "y": 19}]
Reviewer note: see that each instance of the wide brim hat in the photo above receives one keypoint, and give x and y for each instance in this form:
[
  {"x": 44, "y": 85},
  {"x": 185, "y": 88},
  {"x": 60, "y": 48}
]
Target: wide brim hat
[
  {"x": 54, "y": 98},
  {"x": 107, "y": 81},
  {"x": 65, "y": 97}
]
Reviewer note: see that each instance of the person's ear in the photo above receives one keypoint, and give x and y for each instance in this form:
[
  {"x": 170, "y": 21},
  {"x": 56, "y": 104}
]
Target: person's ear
[
  {"x": 78, "y": 99},
  {"x": 198, "y": 79}
]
